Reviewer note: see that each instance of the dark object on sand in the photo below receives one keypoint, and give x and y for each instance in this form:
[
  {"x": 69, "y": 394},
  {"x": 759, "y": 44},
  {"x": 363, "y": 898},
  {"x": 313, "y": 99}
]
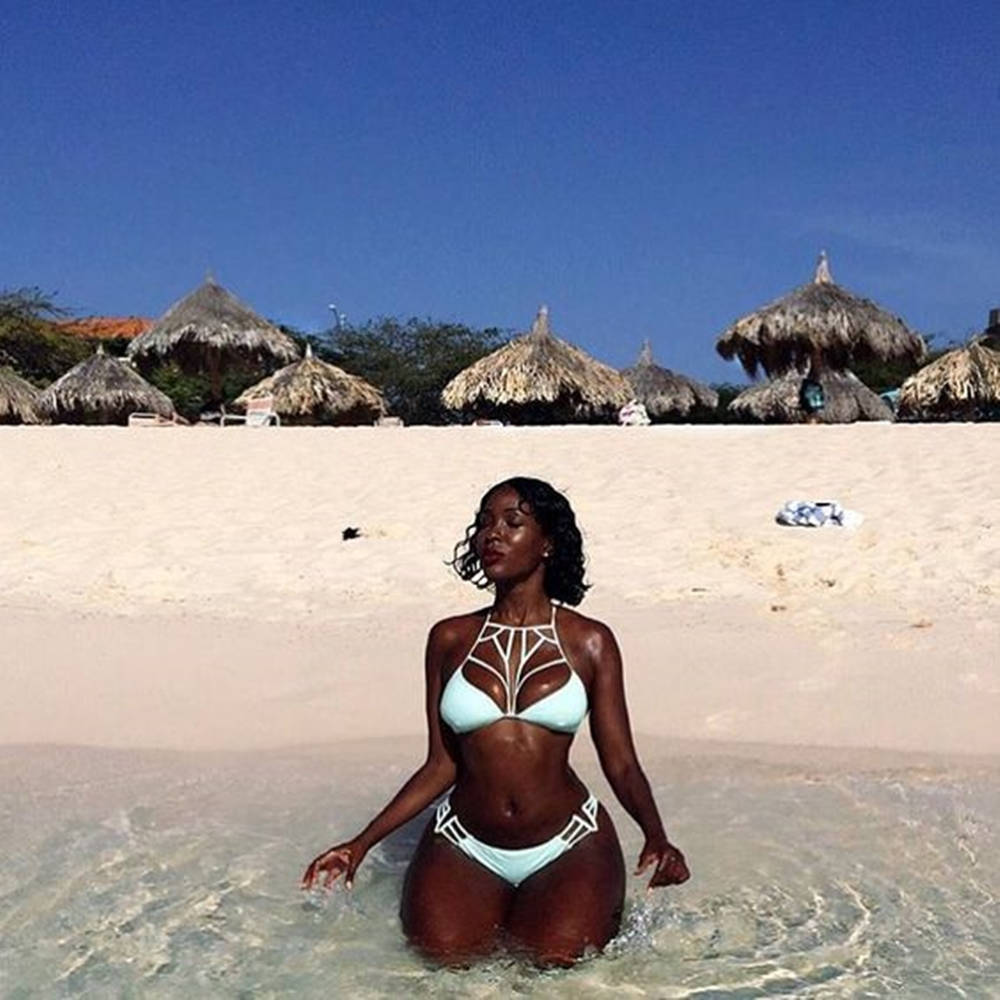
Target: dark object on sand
[{"x": 348, "y": 533}]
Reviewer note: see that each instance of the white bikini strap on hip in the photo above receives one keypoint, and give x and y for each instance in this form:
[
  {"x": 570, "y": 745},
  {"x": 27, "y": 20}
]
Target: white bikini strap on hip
[
  {"x": 580, "y": 823},
  {"x": 446, "y": 823},
  {"x": 579, "y": 826}
]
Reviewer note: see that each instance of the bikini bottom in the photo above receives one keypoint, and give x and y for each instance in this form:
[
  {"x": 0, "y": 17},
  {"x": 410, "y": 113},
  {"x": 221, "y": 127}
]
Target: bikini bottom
[{"x": 515, "y": 864}]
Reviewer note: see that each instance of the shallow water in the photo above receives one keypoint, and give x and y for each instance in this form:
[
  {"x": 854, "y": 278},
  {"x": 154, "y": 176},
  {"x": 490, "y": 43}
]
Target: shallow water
[{"x": 148, "y": 874}]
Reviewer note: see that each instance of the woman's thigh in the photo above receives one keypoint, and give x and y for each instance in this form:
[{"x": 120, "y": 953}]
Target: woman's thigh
[
  {"x": 574, "y": 903},
  {"x": 452, "y": 907}
]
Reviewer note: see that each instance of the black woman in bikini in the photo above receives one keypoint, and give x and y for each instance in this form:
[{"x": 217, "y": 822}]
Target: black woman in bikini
[{"x": 519, "y": 854}]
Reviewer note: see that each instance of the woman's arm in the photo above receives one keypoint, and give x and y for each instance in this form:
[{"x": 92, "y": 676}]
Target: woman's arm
[
  {"x": 435, "y": 775},
  {"x": 612, "y": 735}
]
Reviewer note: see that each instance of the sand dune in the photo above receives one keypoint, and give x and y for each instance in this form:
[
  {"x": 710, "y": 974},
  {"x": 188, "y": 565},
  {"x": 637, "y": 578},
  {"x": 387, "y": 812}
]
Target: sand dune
[{"x": 190, "y": 587}]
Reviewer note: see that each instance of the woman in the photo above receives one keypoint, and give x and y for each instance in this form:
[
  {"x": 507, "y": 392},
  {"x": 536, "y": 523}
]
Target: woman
[{"x": 520, "y": 853}]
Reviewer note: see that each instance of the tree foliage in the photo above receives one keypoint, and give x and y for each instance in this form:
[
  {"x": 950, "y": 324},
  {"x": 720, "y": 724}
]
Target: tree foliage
[
  {"x": 881, "y": 376},
  {"x": 192, "y": 394},
  {"x": 727, "y": 392},
  {"x": 411, "y": 361},
  {"x": 30, "y": 341},
  {"x": 27, "y": 305}
]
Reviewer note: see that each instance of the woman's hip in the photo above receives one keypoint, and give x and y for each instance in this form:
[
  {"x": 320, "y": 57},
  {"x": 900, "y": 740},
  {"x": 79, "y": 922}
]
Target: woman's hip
[{"x": 516, "y": 864}]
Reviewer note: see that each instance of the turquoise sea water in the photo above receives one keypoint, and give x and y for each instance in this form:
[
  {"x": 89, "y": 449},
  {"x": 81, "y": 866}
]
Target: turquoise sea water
[{"x": 154, "y": 874}]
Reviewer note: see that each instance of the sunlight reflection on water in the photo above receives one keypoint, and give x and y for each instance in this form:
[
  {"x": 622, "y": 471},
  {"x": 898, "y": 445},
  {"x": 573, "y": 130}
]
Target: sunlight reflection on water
[{"x": 164, "y": 875}]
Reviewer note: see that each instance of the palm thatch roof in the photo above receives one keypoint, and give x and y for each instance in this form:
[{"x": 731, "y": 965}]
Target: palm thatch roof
[
  {"x": 822, "y": 317},
  {"x": 666, "y": 394},
  {"x": 211, "y": 330},
  {"x": 962, "y": 384},
  {"x": 18, "y": 399},
  {"x": 847, "y": 399},
  {"x": 312, "y": 391},
  {"x": 538, "y": 378},
  {"x": 101, "y": 390}
]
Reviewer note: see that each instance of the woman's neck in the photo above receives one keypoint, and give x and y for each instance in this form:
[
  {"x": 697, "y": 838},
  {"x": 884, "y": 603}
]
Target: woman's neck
[{"x": 523, "y": 603}]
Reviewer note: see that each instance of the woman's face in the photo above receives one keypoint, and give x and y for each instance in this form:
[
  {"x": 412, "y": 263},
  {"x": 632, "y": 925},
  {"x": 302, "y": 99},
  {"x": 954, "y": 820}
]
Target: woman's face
[{"x": 509, "y": 541}]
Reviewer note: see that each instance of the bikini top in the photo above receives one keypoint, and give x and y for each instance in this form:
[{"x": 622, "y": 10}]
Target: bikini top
[{"x": 512, "y": 654}]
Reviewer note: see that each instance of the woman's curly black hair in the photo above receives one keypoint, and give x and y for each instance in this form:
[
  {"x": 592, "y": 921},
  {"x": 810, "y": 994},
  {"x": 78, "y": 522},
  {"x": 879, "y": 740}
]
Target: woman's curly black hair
[{"x": 564, "y": 569}]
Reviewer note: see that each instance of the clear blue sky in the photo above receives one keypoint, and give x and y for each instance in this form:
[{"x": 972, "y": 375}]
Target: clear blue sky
[{"x": 647, "y": 169}]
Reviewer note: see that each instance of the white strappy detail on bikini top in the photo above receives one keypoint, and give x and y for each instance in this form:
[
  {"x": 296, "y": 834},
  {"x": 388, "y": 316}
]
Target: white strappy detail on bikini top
[{"x": 520, "y": 652}]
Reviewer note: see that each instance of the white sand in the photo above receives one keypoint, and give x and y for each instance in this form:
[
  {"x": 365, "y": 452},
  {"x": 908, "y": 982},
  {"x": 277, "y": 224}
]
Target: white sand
[{"x": 189, "y": 588}]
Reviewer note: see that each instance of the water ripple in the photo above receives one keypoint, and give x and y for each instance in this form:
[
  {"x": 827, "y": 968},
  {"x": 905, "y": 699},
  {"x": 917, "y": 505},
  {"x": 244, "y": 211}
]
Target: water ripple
[{"x": 164, "y": 877}]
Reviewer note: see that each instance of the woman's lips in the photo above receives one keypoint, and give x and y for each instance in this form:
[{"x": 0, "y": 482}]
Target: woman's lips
[{"x": 491, "y": 556}]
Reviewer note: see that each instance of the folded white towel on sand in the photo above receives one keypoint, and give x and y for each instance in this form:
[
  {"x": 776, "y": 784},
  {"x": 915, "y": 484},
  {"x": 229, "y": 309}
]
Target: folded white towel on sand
[{"x": 817, "y": 514}]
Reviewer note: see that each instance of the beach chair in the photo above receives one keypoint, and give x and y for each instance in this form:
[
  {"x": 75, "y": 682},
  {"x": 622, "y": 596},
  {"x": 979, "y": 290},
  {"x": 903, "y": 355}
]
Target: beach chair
[
  {"x": 140, "y": 419},
  {"x": 260, "y": 413},
  {"x": 633, "y": 414}
]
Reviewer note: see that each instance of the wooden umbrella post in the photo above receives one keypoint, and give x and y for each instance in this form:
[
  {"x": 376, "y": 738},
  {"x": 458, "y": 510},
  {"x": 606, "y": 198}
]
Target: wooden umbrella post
[{"x": 214, "y": 361}]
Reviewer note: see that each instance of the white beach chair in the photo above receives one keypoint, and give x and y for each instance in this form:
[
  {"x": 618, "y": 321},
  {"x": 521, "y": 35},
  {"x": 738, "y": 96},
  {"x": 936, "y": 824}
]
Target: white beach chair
[
  {"x": 260, "y": 413},
  {"x": 633, "y": 414},
  {"x": 140, "y": 419}
]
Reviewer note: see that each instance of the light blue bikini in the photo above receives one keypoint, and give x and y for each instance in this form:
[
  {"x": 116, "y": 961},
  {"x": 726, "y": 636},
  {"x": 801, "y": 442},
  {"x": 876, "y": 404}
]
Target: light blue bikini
[{"x": 517, "y": 653}]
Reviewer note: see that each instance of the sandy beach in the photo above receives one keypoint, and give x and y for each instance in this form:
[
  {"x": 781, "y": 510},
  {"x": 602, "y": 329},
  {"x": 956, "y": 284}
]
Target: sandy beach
[{"x": 190, "y": 588}]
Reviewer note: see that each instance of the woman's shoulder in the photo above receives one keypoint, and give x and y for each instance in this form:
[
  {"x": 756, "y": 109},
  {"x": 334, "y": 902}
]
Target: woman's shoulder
[
  {"x": 587, "y": 635},
  {"x": 456, "y": 629}
]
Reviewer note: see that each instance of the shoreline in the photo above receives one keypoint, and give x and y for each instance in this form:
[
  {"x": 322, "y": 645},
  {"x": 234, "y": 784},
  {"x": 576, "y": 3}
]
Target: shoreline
[{"x": 398, "y": 750}]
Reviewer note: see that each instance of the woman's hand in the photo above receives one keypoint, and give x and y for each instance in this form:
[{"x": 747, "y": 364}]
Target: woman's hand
[
  {"x": 342, "y": 859},
  {"x": 670, "y": 868}
]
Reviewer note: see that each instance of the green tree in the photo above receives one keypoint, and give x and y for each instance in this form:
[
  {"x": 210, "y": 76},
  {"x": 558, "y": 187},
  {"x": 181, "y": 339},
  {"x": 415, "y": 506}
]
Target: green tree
[
  {"x": 880, "y": 376},
  {"x": 31, "y": 342},
  {"x": 191, "y": 394},
  {"x": 727, "y": 392},
  {"x": 411, "y": 361},
  {"x": 117, "y": 347},
  {"x": 27, "y": 305}
]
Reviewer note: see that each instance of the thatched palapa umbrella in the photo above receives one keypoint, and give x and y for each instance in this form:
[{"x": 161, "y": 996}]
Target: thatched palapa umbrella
[
  {"x": 312, "y": 391},
  {"x": 963, "y": 384},
  {"x": 666, "y": 394},
  {"x": 18, "y": 399},
  {"x": 209, "y": 331},
  {"x": 847, "y": 399},
  {"x": 101, "y": 390},
  {"x": 818, "y": 325},
  {"x": 538, "y": 378}
]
